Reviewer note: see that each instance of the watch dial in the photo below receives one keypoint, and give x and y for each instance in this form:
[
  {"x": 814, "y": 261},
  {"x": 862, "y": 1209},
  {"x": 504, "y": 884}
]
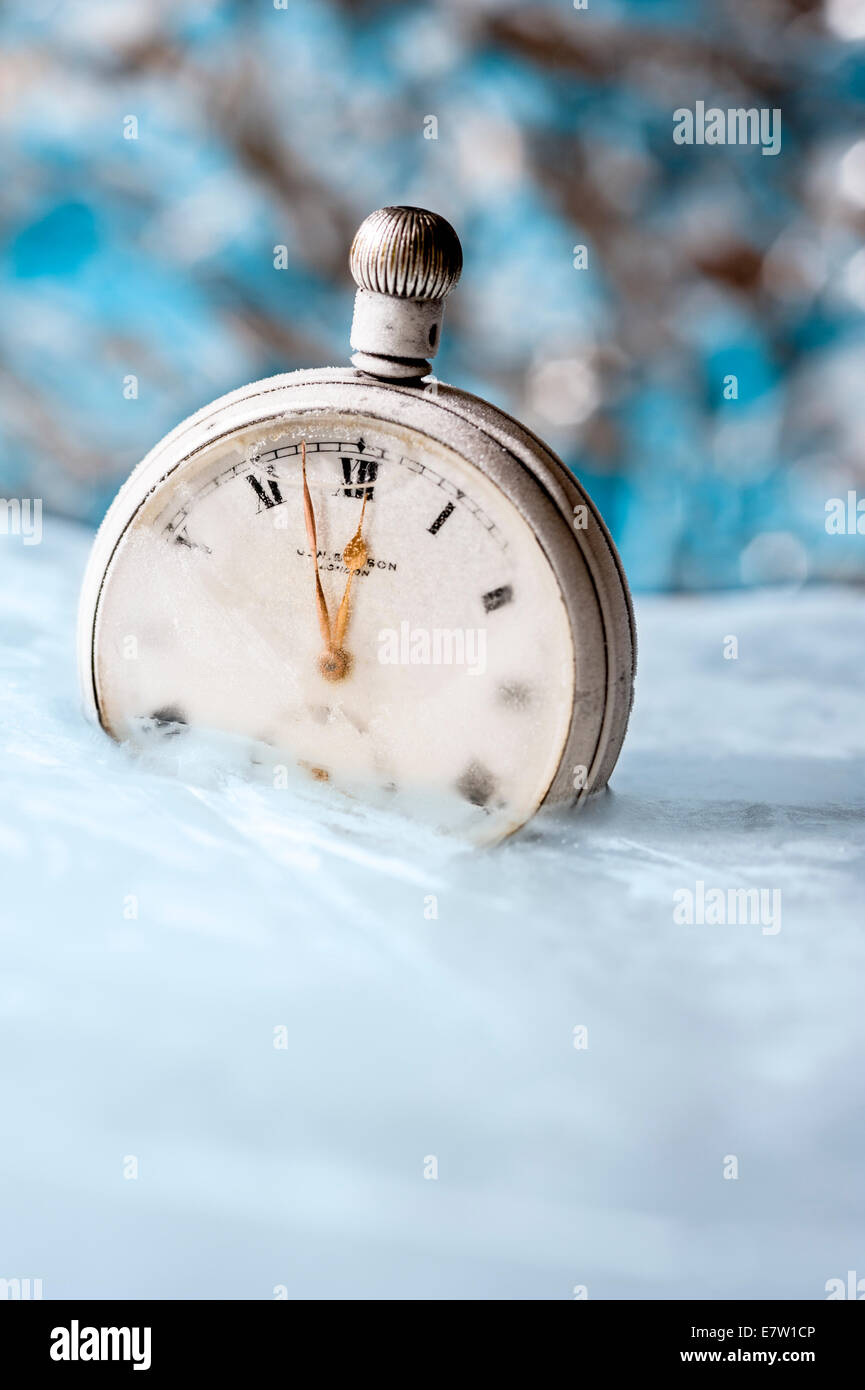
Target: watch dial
[{"x": 434, "y": 667}]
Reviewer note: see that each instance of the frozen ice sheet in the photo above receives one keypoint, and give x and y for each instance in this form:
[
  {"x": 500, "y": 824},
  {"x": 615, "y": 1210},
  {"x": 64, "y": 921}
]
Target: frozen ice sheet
[{"x": 409, "y": 1036}]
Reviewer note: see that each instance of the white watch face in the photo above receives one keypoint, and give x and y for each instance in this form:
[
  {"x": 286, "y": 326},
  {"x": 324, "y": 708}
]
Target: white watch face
[{"x": 442, "y": 683}]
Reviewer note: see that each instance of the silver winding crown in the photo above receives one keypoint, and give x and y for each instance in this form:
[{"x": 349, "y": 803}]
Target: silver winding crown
[{"x": 406, "y": 252}]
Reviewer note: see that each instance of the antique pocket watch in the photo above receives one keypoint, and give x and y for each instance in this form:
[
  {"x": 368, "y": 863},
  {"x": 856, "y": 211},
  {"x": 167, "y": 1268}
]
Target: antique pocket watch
[{"x": 387, "y": 583}]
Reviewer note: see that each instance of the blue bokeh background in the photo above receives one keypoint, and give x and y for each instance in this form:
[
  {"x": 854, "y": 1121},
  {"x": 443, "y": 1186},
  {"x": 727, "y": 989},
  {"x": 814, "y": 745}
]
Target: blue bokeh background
[{"x": 259, "y": 127}]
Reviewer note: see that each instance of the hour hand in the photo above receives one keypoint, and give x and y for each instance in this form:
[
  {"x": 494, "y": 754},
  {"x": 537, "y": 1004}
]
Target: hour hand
[{"x": 354, "y": 557}]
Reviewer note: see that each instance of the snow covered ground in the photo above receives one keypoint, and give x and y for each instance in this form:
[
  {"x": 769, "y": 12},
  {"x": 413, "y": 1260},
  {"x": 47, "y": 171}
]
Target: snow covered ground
[{"x": 265, "y": 918}]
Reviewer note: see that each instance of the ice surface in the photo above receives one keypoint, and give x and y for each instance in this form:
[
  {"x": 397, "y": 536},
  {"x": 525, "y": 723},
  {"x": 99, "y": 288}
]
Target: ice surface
[{"x": 410, "y": 1036}]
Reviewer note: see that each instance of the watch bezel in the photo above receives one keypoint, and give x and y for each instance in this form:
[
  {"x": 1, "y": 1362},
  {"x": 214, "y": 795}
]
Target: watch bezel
[{"x": 520, "y": 465}]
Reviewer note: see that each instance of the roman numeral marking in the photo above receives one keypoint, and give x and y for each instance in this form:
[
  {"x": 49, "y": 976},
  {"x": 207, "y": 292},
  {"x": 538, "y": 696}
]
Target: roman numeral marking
[
  {"x": 358, "y": 476},
  {"x": 181, "y": 538},
  {"x": 497, "y": 598},
  {"x": 441, "y": 519},
  {"x": 269, "y": 496}
]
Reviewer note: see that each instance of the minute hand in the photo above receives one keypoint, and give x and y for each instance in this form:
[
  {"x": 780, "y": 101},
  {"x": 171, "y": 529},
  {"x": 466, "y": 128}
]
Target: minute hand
[{"x": 309, "y": 518}]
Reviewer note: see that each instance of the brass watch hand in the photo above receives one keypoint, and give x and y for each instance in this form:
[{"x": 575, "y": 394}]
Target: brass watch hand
[
  {"x": 309, "y": 517},
  {"x": 354, "y": 557}
]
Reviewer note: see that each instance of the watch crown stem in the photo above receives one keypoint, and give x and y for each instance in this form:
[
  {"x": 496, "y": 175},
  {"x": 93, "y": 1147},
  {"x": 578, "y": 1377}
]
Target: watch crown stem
[{"x": 403, "y": 261}]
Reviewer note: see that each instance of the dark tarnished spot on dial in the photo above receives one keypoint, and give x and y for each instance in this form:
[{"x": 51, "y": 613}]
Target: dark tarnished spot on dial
[
  {"x": 515, "y": 695},
  {"x": 170, "y": 720},
  {"x": 476, "y": 784}
]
